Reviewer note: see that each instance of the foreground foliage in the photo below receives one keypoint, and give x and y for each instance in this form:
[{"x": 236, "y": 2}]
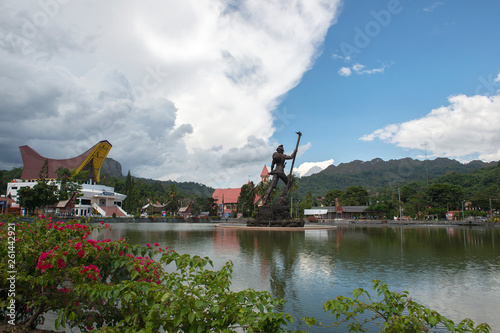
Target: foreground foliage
[
  {"x": 112, "y": 286},
  {"x": 396, "y": 312}
]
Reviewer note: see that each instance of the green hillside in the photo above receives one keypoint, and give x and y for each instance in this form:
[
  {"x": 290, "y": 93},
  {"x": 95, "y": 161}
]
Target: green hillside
[{"x": 378, "y": 174}]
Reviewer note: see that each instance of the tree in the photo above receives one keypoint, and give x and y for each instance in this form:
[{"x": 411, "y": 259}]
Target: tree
[
  {"x": 70, "y": 182},
  {"x": 27, "y": 199},
  {"x": 355, "y": 196},
  {"x": 445, "y": 196},
  {"x": 173, "y": 199},
  {"x": 246, "y": 199},
  {"x": 42, "y": 194},
  {"x": 330, "y": 196},
  {"x": 204, "y": 204},
  {"x": 261, "y": 188},
  {"x": 132, "y": 202}
]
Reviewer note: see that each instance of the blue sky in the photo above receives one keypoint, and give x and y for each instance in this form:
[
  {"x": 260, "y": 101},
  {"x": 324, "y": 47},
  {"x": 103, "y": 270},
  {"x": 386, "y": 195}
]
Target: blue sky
[
  {"x": 425, "y": 52},
  {"x": 205, "y": 90}
]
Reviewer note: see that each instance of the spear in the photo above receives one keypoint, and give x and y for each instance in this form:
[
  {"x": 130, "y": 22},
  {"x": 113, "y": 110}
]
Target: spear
[{"x": 293, "y": 161}]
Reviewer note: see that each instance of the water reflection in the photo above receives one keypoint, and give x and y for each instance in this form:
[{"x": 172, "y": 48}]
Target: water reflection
[{"x": 452, "y": 270}]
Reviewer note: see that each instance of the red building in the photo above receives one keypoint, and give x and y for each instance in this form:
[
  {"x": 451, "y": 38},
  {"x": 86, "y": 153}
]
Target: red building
[{"x": 227, "y": 198}]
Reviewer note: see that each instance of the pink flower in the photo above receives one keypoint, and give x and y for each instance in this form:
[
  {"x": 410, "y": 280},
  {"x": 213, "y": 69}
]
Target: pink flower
[
  {"x": 90, "y": 269},
  {"x": 148, "y": 245},
  {"x": 81, "y": 254},
  {"x": 61, "y": 263},
  {"x": 78, "y": 245},
  {"x": 156, "y": 244}
]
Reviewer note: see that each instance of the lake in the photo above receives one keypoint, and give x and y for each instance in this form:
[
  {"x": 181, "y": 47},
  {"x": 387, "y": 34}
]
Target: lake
[{"x": 453, "y": 270}]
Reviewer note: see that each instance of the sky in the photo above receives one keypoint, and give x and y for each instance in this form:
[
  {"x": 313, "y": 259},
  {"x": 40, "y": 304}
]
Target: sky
[{"x": 205, "y": 90}]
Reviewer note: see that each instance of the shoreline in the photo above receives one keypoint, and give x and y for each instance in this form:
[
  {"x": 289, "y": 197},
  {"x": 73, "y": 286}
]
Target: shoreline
[{"x": 321, "y": 223}]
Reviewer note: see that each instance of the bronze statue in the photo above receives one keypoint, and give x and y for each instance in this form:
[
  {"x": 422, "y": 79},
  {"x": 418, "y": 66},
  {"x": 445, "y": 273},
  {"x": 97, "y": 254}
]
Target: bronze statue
[
  {"x": 278, "y": 170},
  {"x": 278, "y": 214}
]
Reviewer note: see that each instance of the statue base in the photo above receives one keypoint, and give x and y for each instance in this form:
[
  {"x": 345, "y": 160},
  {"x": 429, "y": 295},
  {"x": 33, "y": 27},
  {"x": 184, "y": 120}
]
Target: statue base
[{"x": 277, "y": 215}]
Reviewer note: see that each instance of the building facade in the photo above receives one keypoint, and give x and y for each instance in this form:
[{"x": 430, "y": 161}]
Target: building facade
[{"x": 92, "y": 200}]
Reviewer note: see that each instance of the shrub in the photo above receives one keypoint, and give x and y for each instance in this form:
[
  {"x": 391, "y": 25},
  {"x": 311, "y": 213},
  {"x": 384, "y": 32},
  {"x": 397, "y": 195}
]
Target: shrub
[
  {"x": 312, "y": 219},
  {"x": 394, "y": 313},
  {"x": 112, "y": 286}
]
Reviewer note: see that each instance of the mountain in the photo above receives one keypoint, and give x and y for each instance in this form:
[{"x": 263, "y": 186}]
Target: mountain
[
  {"x": 111, "y": 168},
  {"x": 377, "y": 173}
]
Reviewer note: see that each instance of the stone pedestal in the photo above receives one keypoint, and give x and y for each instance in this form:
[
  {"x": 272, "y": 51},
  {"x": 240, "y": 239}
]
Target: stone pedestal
[{"x": 277, "y": 215}]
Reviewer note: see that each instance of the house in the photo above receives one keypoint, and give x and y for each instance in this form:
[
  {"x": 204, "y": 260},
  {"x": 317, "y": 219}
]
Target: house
[{"x": 341, "y": 212}]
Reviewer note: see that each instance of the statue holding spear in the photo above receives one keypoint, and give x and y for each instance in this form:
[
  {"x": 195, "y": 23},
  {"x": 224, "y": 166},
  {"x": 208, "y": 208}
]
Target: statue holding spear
[{"x": 278, "y": 170}]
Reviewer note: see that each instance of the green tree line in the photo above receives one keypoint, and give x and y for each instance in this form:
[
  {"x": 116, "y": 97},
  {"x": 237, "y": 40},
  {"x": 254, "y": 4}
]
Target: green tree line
[{"x": 452, "y": 191}]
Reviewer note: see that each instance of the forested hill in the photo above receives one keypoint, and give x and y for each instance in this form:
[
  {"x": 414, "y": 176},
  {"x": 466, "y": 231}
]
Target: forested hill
[
  {"x": 379, "y": 174},
  {"x": 111, "y": 175}
]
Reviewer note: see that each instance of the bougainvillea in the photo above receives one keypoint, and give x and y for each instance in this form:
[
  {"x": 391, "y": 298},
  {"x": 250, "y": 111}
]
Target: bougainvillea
[{"x": 112, "y": 286}]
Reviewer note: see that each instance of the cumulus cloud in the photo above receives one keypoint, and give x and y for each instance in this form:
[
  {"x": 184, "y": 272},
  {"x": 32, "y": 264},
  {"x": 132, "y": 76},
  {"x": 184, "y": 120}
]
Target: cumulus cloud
[
  {"x": 310, "y": 168},
  {"x": 466, "y": 129},
  {"x": 345, "y": 71},
  {"x": 183, "y": 90}
]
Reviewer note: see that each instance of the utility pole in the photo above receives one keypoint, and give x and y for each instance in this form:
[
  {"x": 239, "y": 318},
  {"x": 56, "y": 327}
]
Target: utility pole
[{"x": 399, "y": 196}]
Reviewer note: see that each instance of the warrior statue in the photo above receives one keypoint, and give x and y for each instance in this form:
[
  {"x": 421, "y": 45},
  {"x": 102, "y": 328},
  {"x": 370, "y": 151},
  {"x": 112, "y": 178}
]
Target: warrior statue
[{"x": 278, "y": 170}]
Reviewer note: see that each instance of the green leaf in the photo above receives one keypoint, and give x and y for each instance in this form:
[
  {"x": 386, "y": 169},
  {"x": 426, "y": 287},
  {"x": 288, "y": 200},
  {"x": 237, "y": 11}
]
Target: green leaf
[
  {"x": 433, "y": 320},
  {"x": 357, "y": 292},
  {"x": 199, "y": 303},
  {"x": 191, "y": 317}
]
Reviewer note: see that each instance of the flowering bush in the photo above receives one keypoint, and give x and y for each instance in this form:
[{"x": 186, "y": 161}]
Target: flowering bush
[{"x": 112, "y": 286}]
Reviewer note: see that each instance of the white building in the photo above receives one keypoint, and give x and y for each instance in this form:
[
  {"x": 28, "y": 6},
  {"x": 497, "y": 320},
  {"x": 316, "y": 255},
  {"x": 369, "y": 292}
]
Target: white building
[{"x": 94, "y": 199}]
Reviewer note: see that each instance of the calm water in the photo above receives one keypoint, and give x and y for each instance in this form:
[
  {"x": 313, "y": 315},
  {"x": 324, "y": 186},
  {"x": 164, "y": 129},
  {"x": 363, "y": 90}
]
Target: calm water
[{"x": 455, "y": 271}]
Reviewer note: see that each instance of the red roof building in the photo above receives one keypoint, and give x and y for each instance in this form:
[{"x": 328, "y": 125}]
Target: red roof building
[
  {"x": 93, "y": 199},
  {"x": 91, "y": 161},
  {"x": 227, "y": 198}
]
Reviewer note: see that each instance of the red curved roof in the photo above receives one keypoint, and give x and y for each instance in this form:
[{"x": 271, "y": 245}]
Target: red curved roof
[{"x": 33, "y": 162}]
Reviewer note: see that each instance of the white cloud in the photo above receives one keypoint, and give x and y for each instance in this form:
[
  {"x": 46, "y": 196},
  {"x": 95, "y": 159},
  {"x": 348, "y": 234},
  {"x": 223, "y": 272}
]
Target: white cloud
[
  {"x": 183, "y": 90},
  {"x": 310, "y": 168},
  {"x": 359, "y": 69},
  {"x": 465, "y": 129},
  {"x": 345, "y": 71}
]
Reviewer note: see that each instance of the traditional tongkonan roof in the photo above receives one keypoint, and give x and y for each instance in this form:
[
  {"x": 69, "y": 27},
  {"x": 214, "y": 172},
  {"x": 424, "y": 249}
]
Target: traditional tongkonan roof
[{"x": 90, "y": 160}]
